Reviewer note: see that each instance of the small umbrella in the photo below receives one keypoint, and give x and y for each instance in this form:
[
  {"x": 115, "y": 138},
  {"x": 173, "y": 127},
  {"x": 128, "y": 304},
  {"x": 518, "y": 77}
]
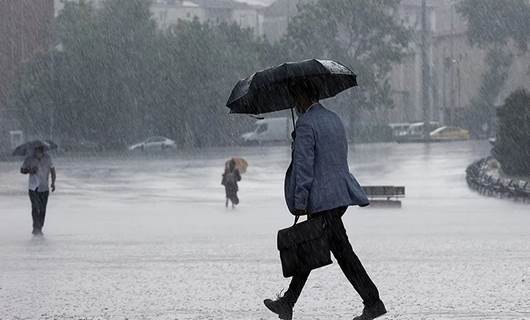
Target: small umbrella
[
  {"x": 266, "y": 91},
  {"x": 241, "y": 164},
  {"x": 28, "y": 147},
  {"x": 52, "y": 145}
]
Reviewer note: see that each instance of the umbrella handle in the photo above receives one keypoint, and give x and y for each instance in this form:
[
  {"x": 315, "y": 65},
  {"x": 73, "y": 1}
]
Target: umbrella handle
[{"x": 292, "y": 116}]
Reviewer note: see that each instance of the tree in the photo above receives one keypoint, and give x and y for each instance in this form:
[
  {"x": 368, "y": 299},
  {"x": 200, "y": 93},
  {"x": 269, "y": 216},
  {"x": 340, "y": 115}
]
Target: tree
[
  {"x": 496, "y": 26},
  {"x": 119, "y": 79},
  {"x": 512, "y": 147},
  {"x": 95, "y": 88},
  {"x": 482, "y": 109},
  {"x": 206, "y": 61},
  {"x": 493, "y": 22},
  {"x": 363, "y": 34}
]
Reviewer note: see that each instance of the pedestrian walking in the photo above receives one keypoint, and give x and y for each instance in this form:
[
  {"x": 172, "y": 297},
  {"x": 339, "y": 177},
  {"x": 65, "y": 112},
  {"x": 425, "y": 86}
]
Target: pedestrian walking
[
  {"x": 318, "y": 184},
  {"x": 231, "y": 177},
  {"x": 39, "y": 166}
]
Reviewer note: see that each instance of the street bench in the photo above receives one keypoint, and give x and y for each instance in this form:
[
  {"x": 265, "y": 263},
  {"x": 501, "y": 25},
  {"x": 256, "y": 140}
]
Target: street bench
[{"x": 387, "y": 196}]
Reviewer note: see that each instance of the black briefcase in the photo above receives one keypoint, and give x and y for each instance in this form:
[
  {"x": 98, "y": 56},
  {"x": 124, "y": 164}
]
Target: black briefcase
[{"x": 304, "y": 247}]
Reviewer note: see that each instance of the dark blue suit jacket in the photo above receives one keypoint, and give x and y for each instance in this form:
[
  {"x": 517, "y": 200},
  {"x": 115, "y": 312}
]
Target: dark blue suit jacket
[{"x": 319, "y": 178}]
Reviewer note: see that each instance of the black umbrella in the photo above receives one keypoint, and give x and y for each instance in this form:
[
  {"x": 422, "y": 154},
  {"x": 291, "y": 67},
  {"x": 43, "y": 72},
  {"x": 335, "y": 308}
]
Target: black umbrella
[
  {"x": 28, "y": 147},
  {"x": 267, "y": 90}
]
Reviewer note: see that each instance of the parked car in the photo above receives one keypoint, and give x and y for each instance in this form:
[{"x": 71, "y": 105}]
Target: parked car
[
  {"x": 416, "y": 131},
  {"x": 269, "y": 130},
  {"x": 154, "y": 143},
  {"x": 447, "y": 133},
  {"x": 399, "y": 129}
]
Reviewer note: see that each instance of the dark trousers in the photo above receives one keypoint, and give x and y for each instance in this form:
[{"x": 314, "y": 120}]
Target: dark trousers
[
  {"x": 347, "y": 259},
  {"x": 39, "y": 200}
]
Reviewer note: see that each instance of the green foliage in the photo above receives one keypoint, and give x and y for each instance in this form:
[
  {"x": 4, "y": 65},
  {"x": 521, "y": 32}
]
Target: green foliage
[
  {"x": 482, "y": 109},
  {"x": 209, "y": 60},
  {"x": 512, "y": 147},
  {"x": 494, "y": 25},
  {"x": 497, "y": 22},
  {"x": 363, "y": 34},
  {"x": 118, "y": 78}
]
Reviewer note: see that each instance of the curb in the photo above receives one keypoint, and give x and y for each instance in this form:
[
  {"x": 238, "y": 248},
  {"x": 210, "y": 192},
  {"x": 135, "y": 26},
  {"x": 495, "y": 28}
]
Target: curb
[{"x": 478, "y": 179}]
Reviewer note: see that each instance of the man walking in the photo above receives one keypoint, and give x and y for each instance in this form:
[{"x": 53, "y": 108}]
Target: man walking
[
  {"x": 39, "y": 166},
  {"x": 318, "y": 184}
]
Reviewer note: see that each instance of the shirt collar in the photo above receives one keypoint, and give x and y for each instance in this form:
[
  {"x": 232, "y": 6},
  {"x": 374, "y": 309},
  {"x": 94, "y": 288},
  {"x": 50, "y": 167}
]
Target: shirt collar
[{"x": 311, "y": 106}]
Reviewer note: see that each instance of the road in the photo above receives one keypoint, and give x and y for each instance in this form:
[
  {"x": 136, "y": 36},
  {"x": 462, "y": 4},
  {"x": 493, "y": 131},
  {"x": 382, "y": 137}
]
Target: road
[{"x": 149, "y": 238}]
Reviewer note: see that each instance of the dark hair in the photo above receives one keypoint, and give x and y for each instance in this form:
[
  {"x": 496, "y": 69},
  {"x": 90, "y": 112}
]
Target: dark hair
[{"x": 304, "y": 88}]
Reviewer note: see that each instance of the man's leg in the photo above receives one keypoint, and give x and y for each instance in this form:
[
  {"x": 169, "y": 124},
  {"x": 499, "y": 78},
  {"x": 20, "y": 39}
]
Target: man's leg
[
  {"x": 283, "y": 306},
  {"x": 348, "y": 260},
  {"x": 43, "y": 200},
  {"x": 295, "y": 288},
  {"x": 33, "y": 197}
]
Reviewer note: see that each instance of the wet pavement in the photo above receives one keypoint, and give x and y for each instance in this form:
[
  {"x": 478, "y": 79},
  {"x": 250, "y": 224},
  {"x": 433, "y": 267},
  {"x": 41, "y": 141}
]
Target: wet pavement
[{"x": 149, "y": 238}]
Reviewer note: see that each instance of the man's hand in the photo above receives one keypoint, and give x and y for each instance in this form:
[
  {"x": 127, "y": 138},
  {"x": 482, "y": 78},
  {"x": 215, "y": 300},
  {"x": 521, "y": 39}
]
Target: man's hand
[
  {"x": 53, "y": 187},
  {"x": 32, "y": 170}
]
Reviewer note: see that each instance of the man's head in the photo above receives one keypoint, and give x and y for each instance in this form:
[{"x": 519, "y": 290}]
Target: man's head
[
  {"x": 305, "y": 94},
  {"x": 39, "y": 152},
  {"x": 231, "y": 165}
]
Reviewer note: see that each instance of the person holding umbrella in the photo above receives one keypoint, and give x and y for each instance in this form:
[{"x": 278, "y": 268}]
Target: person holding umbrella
[
  {"x": 318, "y": 182},
  {"x": 38, "y": 164},
  {"x": 231, "y": 177}
]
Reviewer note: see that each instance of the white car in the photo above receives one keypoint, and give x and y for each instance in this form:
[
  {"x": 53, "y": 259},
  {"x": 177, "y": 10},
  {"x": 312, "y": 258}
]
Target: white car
[
  {"x": 154, "y": 143},
  {"x": 446, "y": 133},
  {"x": 269, "y": 130}
]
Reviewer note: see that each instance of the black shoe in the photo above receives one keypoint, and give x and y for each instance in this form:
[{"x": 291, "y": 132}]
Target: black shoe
[
  {"x": 37, "y": 232},
  {"x": 372, "y": 312},
  {"x": 283, "y": 309}
]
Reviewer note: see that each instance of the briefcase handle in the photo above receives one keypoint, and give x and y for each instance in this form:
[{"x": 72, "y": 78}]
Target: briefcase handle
[{"x": 296, "y": 219}]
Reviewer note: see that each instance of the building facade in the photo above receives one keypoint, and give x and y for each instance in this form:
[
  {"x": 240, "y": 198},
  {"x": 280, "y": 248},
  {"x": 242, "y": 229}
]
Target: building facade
[
  {"x": 169, "y": 12},
  {"x": 276, "y": 18},
  {"x": 455, "y": 67},
  {"x": 59, "y": 4}
]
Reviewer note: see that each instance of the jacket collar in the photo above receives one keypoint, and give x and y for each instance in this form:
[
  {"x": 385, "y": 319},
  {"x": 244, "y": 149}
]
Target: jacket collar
[{"x": 312, "y": 107}]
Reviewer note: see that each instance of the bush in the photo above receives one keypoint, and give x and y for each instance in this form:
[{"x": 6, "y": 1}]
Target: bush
[{"x": 512, "y": 147}]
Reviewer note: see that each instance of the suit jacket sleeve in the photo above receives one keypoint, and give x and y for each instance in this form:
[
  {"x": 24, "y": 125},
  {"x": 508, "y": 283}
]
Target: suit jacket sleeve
[{"x": 303, "y": 160}]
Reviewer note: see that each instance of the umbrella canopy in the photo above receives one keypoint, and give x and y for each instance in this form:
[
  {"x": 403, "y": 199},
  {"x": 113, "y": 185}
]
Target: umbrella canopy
[
  {"x": 267, "y": 90},
  {"x": 28, "y": 147},
  {"x": 241, "y": 164},
  {"x": 52, "y": 145}
]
